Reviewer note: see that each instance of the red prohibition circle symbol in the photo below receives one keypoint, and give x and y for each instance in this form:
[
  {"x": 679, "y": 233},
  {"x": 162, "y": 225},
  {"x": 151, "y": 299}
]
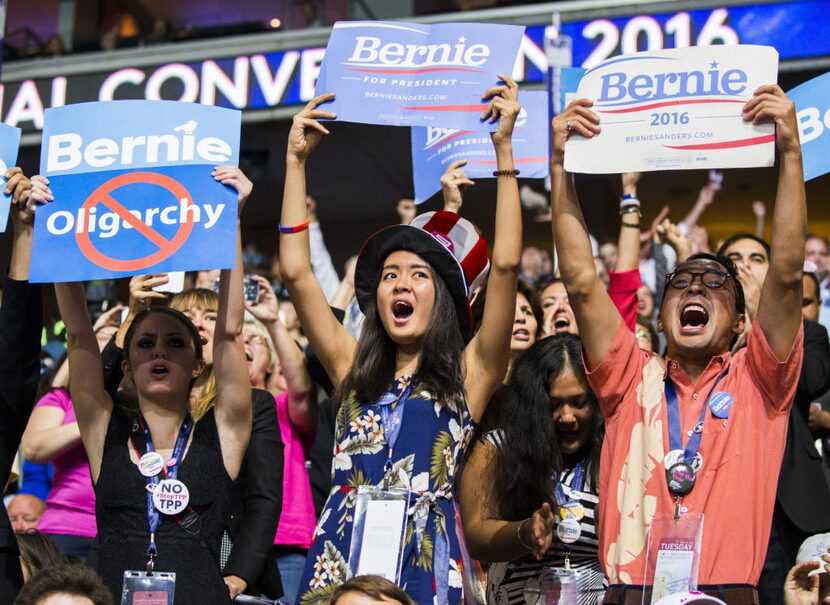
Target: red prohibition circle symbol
[{"x": 166, "y": 247}]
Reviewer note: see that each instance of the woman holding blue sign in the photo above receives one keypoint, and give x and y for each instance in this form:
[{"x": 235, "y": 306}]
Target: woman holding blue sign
[
  {"x": 412, "y": 389},
  {"x": 163, "y": 481}
]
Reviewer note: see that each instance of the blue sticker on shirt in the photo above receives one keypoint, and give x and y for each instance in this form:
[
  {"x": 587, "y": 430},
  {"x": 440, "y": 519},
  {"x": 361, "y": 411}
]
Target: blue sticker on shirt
[{"x": 720, "y": 403}]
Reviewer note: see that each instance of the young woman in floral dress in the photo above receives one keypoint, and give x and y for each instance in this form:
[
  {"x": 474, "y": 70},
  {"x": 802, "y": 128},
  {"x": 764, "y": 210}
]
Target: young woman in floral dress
[{"x": 410, "y": 391}]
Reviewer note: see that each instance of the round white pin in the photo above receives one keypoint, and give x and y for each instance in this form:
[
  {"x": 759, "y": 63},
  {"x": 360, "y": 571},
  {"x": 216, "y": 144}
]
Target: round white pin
[
  {"x": 150, "y": 464},
  {"x": 568, "y": 530},
  {"x": 171, "y": 496}
]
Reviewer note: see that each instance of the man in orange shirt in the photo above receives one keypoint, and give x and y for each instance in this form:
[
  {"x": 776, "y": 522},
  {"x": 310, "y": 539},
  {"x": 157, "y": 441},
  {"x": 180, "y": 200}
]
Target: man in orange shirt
[{"x": 733, "y": 408}]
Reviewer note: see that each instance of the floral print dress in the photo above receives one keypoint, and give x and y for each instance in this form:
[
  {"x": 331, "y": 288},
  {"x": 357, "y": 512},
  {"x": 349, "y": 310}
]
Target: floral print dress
[{"x": 429, "y": 447}]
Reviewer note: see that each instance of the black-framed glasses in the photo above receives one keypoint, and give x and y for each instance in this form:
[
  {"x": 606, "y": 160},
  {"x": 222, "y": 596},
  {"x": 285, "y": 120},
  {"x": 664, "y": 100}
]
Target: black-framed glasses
[{"x": 711, "y": 278}]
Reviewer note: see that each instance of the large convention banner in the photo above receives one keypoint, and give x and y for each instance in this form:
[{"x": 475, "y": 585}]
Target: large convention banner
[
  {"x": 434, "y": 149},
  {"x": 9, "y": 146},
  {"x": 133, "y": 190},
  {"x": 407, "y": 74},
  {"x": 676, "y": 109},
  {"x": 812, "y": 102}
]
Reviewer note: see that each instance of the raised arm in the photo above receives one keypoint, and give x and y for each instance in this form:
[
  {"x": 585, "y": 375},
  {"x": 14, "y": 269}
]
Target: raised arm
[
  {"x": 233, "y": 387},
  {"x": 628, "y": 245},
  {"x": 332, "y": 344},
  {"x": 759, "y": 211},
  {"x": 321, "y": 264},
  {"x": 302, "y": 401},
  {"x": 488, "y": 354},
  {"x": 93, "y": 407},
  {"x": 596, "y": 315},
  {"x": 779, "y": 308},
  {"x": 21, "y": 322},
  {"x": 704, "y": 199}
]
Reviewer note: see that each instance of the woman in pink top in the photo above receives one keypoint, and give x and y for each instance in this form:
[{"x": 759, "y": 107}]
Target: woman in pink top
[
  {"x": 276, "y": 362},
  {"x": 52, "y": 435}
]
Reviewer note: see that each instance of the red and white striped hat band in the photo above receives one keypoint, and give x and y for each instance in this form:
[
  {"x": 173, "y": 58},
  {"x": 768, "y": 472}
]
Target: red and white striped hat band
[{"x": 460, "y": 237}]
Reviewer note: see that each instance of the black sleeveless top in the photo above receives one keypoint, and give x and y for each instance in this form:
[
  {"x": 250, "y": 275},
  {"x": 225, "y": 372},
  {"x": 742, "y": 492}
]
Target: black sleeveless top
[{"x": 121, "y": 513}]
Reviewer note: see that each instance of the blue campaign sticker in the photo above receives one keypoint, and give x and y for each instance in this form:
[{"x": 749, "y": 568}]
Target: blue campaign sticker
[
  {"x": 720, "y": 403},
  {"x": 9, "y": 145},
  {"x": 812, "y": 104},
  {"x": 134, "y": 192},
  {"x": 413, "y": 74},
  {"x": 435, "y": 149}
]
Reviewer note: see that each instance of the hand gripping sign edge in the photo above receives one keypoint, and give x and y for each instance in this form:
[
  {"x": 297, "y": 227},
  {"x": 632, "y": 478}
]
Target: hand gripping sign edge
[{"x": 166, "y": 247}]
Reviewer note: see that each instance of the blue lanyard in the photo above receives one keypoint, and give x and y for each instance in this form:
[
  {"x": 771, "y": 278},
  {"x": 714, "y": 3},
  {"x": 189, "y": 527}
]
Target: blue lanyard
[
  {"x": 170, "y": 471},
  {"x": 391, "y": 416},
  {"x": 675, "y": 434},
  {"x": 577, "y": 484}
]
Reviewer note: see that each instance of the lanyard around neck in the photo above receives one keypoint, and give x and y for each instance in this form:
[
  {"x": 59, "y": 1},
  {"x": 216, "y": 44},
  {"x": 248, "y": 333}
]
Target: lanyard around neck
[
  {"x": 170, "y": 471},
  {"x": 673, "y": 411},
  {"x": 577, "y": 483}
]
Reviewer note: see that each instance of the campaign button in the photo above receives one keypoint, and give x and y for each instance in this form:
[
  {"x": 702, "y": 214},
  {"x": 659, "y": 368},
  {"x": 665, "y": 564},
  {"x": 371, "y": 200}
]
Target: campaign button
[
  {"x": 681, "y": 478},
  {"x": 572, "y": 510},
  {"x": 720, "y": 404},
  {"x": 150, "y": 464},
  {"x": 672, "y": 458},
  {"x": 171, "y": 496},
  {"x": 568, "y": 531},
  {"x": 675, "y": 456}
]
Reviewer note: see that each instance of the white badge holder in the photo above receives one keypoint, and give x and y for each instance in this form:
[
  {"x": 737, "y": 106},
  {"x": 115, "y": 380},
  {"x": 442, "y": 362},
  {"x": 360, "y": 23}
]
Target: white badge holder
[
  {"x": 673, "y": 555},
  {"x": 141, "y": 588},
  {"x": 554, "y": 586},
  {"x": 378, "y": 532}
]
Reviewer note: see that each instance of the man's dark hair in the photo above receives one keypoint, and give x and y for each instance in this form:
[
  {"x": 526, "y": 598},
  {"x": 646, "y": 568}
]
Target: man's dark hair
[
  {"x": 738, "y": 237},
  {"x": 726, "y": 263},
  {"x": 70, "y": 578},
  {"x": 38, "y": 552},
  {"x": 375, "y": 587}
]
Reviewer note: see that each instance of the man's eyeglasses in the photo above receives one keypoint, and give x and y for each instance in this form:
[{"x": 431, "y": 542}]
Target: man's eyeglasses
[{"x": 711, "y": 278}]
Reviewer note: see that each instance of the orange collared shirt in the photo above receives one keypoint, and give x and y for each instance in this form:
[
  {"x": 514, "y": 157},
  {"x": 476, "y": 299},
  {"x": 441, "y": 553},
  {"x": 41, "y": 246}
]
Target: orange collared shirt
[{"x": 736, "y": 485}]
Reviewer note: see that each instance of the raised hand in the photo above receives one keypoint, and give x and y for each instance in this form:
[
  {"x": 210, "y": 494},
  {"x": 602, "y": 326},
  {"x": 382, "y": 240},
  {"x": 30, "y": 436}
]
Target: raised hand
[
  {"x": 759, "y": 208},
  {"x": 577, "y": 118},
  {"x": 504, "y": 107},
  {"x": 110, "y": 317},
  {"x": 266, "y": 307},
  {"x": 800, "y": 588},
  {"x": 306, "y": 131},
  {"x": 752, "y": 289},
  {"x": 141, "y": 291},
  {"x": 454, "y": 182},
  {"x": 20, "y": 189},
  {"x": 669, "y": 233},
  {"x": 770, "y": 103},
  {"x": 706, "y": 195},
  {"x": 234, "y": 177}
]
